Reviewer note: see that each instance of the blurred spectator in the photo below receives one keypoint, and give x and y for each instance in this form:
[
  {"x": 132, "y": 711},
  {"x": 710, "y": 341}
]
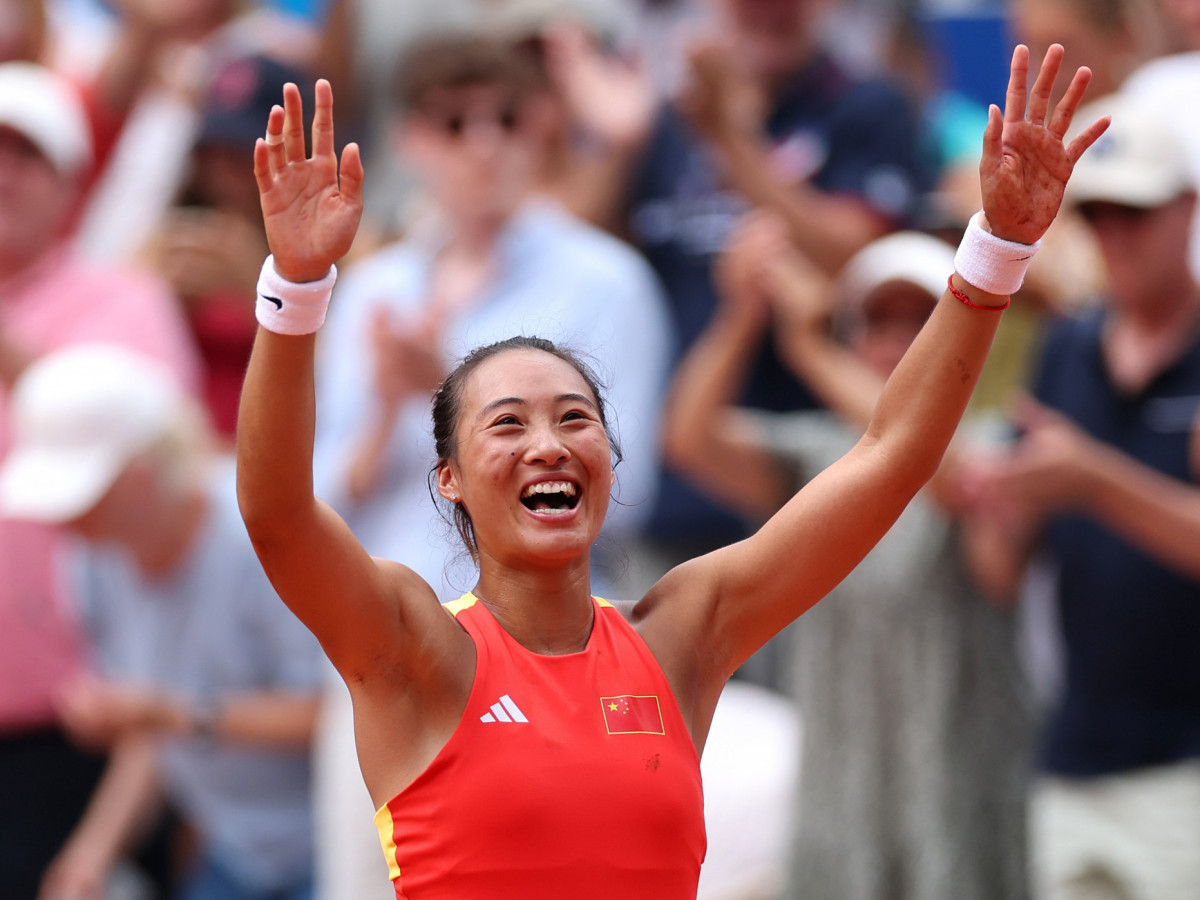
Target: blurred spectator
[
  {"x": 916, "y": 720},
  {"x": 48, "y": 299},
  {"x": 109, "y": 65},
  {"x": 22, "y": 30},
  {"x": 364, "y": 43},
  {"x": 487, "y": 262},
  {"x": 1166, "y": 88},
  {"x": 1107, "y": 36},
  {"x": 952, "y": 123},
  {"x": 1104, "y": 480},
  {"x": 1110, "y": 37},
  {"x": 210, "y": 245},
  {"x": 768, "y": 118},
  {"x": 611, "y": 108},
  {"x": 364, "y": 38},
  {"x": 193, "y": 42},
  {"x": 207, "y": 684}
]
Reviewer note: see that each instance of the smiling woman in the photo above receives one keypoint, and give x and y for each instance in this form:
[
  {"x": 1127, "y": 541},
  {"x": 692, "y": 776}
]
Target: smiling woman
[
  {"x": 447, "y": 408},
  {"x": 531, "y": 740}
]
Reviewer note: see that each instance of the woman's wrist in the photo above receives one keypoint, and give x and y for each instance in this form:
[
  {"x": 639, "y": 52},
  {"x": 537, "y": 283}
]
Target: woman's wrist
[
  {"x": 990, "y": 264},
  {"x": 969, "y": 295},
  {"x": 292, "y": 307}
]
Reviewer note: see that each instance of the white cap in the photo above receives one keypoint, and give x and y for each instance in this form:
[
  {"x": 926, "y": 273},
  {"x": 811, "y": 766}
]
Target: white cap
[
  {"x": 1138, "y": 161},
  {"x": 514, "y": 19},
  {"x": 909, "y": 256},
  {"x": 79, "y": 415},
  {"x": 42, "y": 106}
]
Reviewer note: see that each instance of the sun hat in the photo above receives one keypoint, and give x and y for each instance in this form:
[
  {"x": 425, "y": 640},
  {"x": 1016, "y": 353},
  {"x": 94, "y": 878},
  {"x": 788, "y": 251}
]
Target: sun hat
[
  {"x": 79, "y": 415},
  {"x": 910, "y": 256},
  {"x": 43, "y": 106},
  {"x": 1139, "y": 161}
]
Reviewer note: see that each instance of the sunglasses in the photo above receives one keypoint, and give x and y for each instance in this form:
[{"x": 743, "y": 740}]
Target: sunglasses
[
  {"x": 456, "y": 123},
  {"x": 1120, "y": 213}
]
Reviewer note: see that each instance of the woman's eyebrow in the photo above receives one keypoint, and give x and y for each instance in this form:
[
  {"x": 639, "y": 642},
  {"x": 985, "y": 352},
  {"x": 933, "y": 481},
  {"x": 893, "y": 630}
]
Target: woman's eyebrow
[
  {"x": 503, "y": 401},
  {"x": 576, "y": 398},
  {"x": 518, "y": 401}
]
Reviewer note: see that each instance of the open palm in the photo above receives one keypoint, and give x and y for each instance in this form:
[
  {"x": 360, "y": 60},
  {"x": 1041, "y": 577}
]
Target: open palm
[
  {"x": 311, "y": 206},
  {"x": 1025, "y": 164}
]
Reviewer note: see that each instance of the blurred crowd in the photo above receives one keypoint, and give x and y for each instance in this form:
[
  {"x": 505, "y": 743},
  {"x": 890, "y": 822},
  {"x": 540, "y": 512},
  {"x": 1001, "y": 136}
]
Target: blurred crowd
[{"x": 742, "y": 211}]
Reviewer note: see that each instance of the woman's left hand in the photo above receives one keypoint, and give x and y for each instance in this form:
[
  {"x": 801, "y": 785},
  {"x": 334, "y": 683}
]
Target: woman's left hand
[{"x": 1025, "y": 163}]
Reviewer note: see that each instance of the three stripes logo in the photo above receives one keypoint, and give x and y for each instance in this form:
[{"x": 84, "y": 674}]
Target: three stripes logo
[{"x": 504, "y": 710}]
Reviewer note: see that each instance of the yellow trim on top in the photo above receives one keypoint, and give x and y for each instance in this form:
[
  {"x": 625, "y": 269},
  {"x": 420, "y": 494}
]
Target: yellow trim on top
[
  {"x": 466, "y": 601},
  {"x": 386, "y": 828},
  {"x": 600, "y": 601}
]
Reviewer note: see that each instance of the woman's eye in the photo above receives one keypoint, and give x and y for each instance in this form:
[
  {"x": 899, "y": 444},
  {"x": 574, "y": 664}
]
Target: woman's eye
[{"x": 506, "y": 420}]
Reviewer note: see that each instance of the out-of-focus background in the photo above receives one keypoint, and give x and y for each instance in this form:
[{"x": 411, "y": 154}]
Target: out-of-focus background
[{"x": 742, "y": 211}]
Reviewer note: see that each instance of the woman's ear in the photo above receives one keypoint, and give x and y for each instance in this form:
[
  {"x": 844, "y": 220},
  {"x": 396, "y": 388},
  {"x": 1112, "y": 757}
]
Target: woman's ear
[{"x": 447, "y": 483}]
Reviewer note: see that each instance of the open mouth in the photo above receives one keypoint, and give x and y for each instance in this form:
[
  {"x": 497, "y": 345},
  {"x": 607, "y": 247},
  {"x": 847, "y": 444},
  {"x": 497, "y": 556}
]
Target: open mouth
[{"x": 550, "y": 497}]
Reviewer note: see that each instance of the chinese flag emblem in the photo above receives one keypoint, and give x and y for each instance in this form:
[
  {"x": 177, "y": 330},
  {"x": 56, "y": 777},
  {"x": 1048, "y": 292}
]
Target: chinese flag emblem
[{"x": 632, "y": 715}]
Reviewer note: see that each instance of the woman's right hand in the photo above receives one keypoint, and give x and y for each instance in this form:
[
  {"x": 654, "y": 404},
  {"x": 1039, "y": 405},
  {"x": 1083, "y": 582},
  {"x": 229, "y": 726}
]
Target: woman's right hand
[{"x": 311, "y": 206}]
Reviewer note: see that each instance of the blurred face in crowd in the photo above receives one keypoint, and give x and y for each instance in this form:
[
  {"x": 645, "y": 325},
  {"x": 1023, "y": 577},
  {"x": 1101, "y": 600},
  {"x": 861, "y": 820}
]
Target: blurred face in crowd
[
  {"x": 117, "y": 512},
  {"x": 223, "y": 177},
  {"x": 773, "y": 37},
  {"x": 22, "y": 28},
  {"x": 35, "y": 200},
  {"x": 477, "y": 148},
  {"x": 1106, "y": 47},
  {"x": 1184, "y": 15},
  {"x": 1145, "y": 250},
  {"x": 890, "y": 318}
]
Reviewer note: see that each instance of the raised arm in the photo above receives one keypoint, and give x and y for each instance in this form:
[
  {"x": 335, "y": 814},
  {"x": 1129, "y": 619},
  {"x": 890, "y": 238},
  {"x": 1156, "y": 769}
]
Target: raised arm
[
  {"x": 751, "y": 590},
  {"x": 358, "y": 608},
  {"x": 706, "y": 437}
]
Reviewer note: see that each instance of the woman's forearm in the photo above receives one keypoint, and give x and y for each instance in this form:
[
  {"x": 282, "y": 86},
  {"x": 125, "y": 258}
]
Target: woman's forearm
[
  {"x": 925, "y": 397},
  {"x": 276, "y": 424}
]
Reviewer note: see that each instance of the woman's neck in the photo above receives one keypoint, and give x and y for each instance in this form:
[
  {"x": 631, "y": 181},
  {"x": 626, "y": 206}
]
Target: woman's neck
[{"x": 547, "y": 611}]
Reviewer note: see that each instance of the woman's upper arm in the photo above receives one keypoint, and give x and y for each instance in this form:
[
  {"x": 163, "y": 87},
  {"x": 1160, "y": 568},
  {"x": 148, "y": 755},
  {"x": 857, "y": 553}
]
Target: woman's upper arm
[
  {"x": 362, "y": 610},
  {"x": 754, "y": 588}
]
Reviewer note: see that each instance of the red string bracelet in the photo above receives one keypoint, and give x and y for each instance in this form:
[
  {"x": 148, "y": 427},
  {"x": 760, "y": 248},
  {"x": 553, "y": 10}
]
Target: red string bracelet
[{"x": 959, "y": 295}]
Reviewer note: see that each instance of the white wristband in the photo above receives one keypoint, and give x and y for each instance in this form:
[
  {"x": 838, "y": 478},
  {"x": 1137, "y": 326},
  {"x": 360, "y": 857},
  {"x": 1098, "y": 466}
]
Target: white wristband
[
  {"x": 286, "y": 307},
  {"x": 990, "y": 263}
]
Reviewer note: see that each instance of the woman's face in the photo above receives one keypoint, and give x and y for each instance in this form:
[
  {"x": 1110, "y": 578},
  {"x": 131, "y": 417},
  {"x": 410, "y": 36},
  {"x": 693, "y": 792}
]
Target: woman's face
[{"x": 532, "y": 465}]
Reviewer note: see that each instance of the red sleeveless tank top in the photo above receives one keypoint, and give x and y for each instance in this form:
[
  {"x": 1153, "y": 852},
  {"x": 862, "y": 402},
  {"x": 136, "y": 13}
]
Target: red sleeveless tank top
[{"x": 568, "y": 777}]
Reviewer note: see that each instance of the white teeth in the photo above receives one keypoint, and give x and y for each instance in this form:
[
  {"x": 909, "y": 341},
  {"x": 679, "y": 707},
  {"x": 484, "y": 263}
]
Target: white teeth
[{"x": 550, "y": 487}]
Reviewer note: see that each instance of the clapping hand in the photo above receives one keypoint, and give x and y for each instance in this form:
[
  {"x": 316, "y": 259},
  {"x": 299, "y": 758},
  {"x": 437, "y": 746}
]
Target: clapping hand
[
  {"x": 722, "y": 101},
  {"x": 311, "y": 206},
  {"x": 1025, "y": 163},
  {"x": 610, "y": 97}
]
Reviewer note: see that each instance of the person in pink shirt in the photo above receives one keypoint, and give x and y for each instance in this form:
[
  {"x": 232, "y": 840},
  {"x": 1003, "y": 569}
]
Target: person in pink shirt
[{"x": 49, "y": 299}]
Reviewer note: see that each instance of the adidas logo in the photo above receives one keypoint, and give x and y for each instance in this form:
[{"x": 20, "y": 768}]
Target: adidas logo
[{"x": 504, "y": 710}]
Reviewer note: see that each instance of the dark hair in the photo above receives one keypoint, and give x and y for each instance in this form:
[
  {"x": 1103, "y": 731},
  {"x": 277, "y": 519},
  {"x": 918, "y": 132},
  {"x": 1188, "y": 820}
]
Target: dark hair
[
  {"x": 457, "y": 61},
  {"x": 447, "y": 406}
]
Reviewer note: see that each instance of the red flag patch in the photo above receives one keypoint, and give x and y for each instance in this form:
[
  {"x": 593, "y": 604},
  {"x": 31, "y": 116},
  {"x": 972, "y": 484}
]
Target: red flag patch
[{"x": 628, "y": 714}]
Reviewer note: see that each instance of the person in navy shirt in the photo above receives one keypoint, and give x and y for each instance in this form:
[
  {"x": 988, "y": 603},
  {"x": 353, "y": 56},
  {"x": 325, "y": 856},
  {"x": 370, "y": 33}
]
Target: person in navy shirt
[{"x": 1105, "y": 480}]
